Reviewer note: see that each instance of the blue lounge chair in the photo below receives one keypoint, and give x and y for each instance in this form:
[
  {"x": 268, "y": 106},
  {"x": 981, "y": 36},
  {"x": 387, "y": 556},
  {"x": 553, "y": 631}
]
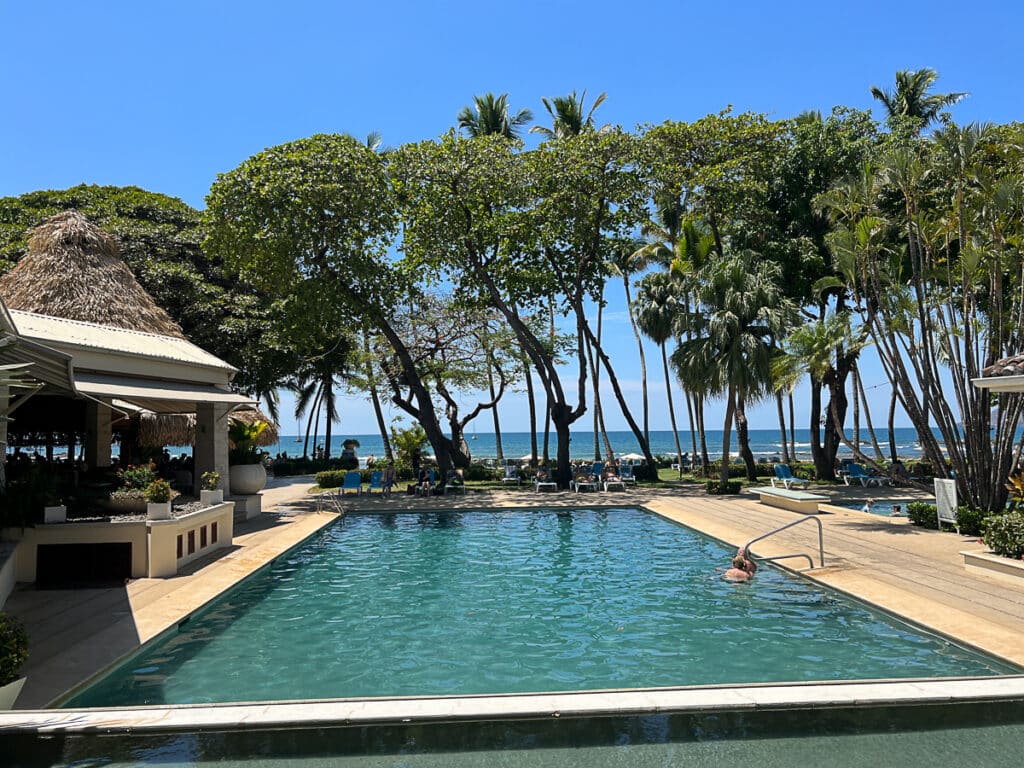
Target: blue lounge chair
[
  {"x": 626, "y": 474},
  {"x": 857, "y": 473},
  {"x": 596, "y": 471},
  {"x": 375, "y": 482},
  {"x": 353, "y": 482},
  {"x": 784, "y": 475}
]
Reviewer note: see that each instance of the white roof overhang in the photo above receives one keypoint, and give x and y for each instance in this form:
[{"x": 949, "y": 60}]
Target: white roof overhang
[
  {"x": 1000, "y": 383},
  {"x": 155, "y": 395}
]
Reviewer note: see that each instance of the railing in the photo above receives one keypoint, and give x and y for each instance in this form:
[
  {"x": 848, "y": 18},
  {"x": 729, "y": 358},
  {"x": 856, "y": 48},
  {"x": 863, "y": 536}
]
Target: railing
[{"x": 821, "y": 542}]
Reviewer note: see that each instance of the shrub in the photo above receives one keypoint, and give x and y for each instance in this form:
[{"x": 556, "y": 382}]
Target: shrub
[
  {"x": 715, "y": 488},
  {"x": 923, "y": 514},
  {"x": 645, "y": 472},
  {"x": 921, "y": 469},
  {"x": 1004, "y": 534},
  {"x": 158, "y": 492},
  {"x": 13, "y": 648},
  {"x": 209, "y": 481},
  {"x": 478, "y": 472},
  {"x": 348, "y": 462},
  {"x": 331, "y": 478},
  {"x": 970, "y": 520},
  {"x": 136, "y": 477}
]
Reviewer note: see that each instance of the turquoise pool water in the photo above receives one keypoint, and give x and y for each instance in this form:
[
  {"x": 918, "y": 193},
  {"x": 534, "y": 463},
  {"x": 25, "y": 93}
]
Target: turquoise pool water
[
  {"x": 884, "y": 508},
  {"x": 517, "y": 601}
]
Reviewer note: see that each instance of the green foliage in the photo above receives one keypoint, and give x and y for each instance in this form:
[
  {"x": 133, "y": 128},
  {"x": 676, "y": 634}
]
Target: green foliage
[
  {"x": 408, "y": 442},
  {"x": 477, "y": 472},
  {"x": 243, "y": 436},
  {"x": 331, "y": 478},
  {"x": 13, "y": 648},
  {"x": 1004, "y": 534},
  {"x": 923, "y": 514},
  {"x": 158, "y": 492},
  {"x": 717, "y": 488},
  {"x": 209, "y": 481},
  {"x": 136, "y": 477},
  {"x": 970, "y": 519}
]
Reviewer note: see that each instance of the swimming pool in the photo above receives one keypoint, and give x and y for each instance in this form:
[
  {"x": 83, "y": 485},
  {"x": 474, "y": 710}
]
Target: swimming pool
[
  {"x": 883, "y": 507},
  {"x": 517, "y": 601}
]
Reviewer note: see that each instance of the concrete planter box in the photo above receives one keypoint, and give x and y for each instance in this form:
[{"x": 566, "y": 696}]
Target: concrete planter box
[
  {"x": 9, "y": 693},
  {"x": 55, "y": 514},
  {"x": 158, "y": 510},
  {"x": 1002, "y": 568},
  {"x": 209, "y": 498}
]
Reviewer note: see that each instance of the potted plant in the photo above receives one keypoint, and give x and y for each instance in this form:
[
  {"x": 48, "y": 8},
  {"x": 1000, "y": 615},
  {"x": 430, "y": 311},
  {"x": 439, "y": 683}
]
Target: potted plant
[
  {"x": 211, "y": 493},
  {"x": 246, "y": 475},
  {"x": 131, "y": 496},
  {"x": 158, "y": 494},
  {"x": 54, "y": 511},
  {"x": 13, "y": 654}
]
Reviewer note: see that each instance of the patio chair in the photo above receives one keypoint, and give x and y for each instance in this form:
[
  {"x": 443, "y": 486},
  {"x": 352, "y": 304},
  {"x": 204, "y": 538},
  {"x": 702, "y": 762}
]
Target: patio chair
[
  {"x": 856, "y": 472},
  {"x": 376, "y": 482},
  {"x": 511, "y": 475},
  {"x": 612, "y": 481},
  {"x": 596, "y": 471},
  {"x": 582, "y": 481},
  {"x": 626, "y": 474},
  {"x": 353, "y": 482},
  {"x": 544, "y": 480},
  {"x": 784, "y": 475},
  {"x": 454, "y": 483}
]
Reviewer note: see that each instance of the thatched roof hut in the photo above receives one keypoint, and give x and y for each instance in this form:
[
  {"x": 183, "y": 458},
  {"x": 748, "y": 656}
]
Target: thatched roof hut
[
  {"x": 161, "y": 429},
  {"x": 73, "y": 269}
]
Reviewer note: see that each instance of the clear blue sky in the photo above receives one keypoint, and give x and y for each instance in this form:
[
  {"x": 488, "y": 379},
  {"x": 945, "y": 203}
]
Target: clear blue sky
[{"x": 167, "y": 94}]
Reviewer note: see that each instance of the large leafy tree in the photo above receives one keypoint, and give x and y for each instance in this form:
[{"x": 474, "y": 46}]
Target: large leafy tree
[
  {"x": 160, "y": 240},
  {"x": 489, "y": 115}
]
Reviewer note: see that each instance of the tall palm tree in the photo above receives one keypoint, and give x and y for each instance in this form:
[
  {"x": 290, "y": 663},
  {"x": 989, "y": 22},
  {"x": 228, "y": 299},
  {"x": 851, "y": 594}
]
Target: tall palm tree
[
  {"x": 740, "y": 308},
  {"x": 626, "y": 259},
  {"x": 567, "y": 116},
  {"x": 656, "y": 306},
  {"x": 910, "y": 98},
  {"x": 489, "y": 115}
]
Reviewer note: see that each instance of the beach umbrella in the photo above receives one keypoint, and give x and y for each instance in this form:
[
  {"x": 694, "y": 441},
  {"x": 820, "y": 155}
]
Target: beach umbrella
[
  {"x": 73, "y": 270},
  {"x": 631, "y": 456}
]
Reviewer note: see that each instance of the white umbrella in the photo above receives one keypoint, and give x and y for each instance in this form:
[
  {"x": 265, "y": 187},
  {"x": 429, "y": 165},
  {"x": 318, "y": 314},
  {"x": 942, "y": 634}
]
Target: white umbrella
[
  {"x": 527, "y": 457},
  {"x": 631, "y": 456}
]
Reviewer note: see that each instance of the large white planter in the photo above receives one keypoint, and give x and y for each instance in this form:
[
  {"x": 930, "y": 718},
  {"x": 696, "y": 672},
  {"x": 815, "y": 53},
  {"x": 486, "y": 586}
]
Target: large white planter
[
  {"x": 55, "y": 514},
  {"x": 160, "y": 510},
  {"x": 209, "y": 498},
  {"x": 9, "y": 693},
  {"x": 247, "y": 479}
]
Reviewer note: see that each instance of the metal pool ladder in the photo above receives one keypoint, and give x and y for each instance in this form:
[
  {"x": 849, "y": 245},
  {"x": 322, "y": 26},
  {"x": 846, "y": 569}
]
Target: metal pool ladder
[{"x": 821, "y": 543}]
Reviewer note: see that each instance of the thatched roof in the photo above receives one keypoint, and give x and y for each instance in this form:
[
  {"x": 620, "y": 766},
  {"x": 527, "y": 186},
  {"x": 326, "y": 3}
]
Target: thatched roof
[
  {"x": 1008, "y": 366},
  {"x": 73, "y": 270},
  {"x": 159, "y": 429}
]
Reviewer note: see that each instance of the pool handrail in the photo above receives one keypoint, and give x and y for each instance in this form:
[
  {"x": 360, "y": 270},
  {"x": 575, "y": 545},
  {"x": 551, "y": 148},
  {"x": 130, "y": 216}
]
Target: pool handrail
[{"x": 821, "y": 542}]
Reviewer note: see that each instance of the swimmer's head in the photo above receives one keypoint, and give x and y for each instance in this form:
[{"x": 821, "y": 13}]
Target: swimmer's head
[{"x": 739, "y": 561}]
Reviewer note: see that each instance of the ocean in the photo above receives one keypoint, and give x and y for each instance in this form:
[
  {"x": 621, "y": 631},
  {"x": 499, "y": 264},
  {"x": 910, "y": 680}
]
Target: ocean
[{"x": 764, "y": 443}]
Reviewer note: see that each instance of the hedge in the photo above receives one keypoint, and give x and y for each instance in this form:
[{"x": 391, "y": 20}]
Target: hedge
[{"x": 1004, "y": 534}]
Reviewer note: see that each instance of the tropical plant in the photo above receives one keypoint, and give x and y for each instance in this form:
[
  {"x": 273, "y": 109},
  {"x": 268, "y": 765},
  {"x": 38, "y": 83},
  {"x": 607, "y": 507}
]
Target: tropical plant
[
  {"x": 489, "y": 115},
  {"x": 13, "y": 648},
  {"x": 209, "y": 481},
  {"x": 911, "y": 98},
  {"x": 136, "y": 477},
  {"x": 1004, "y": 535},
  {"x": 567, "y": 116},
  {"x": 243, "y": 437},
  {"x": 158, "y": 492}
]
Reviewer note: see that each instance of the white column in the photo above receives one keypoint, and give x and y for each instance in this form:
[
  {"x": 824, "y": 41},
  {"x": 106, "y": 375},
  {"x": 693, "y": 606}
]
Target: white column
[
  {"x": 98, "y": 419},
  {"x": 210, "y": 451}
]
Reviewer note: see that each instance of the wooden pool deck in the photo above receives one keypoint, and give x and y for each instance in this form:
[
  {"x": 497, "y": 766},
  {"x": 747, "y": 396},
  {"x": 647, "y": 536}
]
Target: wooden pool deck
[{"x": 917, "y": 574}]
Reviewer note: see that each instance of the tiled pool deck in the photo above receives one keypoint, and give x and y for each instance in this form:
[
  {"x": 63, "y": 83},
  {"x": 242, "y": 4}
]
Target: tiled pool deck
[{"x": 912, "y": 572}]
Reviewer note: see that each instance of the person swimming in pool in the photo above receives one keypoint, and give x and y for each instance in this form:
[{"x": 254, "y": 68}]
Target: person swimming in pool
[{"x": 743, "y": 568}]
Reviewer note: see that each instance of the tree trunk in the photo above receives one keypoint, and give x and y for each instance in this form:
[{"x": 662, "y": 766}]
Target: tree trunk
[
  {"x": 643, "y": 360},
  {"x": 494, "y": 415},
  {"x": 730, "y": 406},
  {"x": 375, "y": 399},
  {"x": 792, "y": 427},
  {"x": 532, "y": 404},
  {"x": 892, "y": 426},
  {"x": 671, "y": 411},
  {"x": 743, "y": 439},
  {"x": 782, "y": 427},
  {"x": 698, "y": 405}
]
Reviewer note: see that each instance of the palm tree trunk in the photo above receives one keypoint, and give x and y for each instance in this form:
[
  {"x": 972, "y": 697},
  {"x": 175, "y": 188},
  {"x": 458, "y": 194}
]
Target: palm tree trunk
[
  {"x": 730, "y": 406},
  {"x": 531, "y": 400},
  {"x": 309, "y": 427},
  {"x": 743, "y": 439},
  {"x": 856, "y": 407},
  {"x": 378, "y": 411},
  {"x": 892, "y": 426},
  {"x": 316, "y": 420},
  {"x": 671, "y": 409},
  {"x": 867, "y": 418},
  {"x": 328, "y": 387},
  {"x": 782, "y": 427},
  {"x": 643, "y": 359},
  {"x": 698, "y": 405},
  {"x": 792, "y": 427}
]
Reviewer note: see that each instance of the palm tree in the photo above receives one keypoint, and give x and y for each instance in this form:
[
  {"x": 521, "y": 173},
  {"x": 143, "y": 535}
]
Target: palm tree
[
  {"x": 740, "y": 308},
  {"x": 656, "y": 306},
  {"x": 626, "y": 259},
  {"x": 489, "y": 115},
  {"x": 567, "y": 117},
  {"x": 910, "y": 98}
]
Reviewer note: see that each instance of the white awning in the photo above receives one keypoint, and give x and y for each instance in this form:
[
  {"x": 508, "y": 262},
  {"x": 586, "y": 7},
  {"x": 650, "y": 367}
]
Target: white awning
[
  {"x": 154, "y": 395},
  {"x": 1000, "y": 383}
]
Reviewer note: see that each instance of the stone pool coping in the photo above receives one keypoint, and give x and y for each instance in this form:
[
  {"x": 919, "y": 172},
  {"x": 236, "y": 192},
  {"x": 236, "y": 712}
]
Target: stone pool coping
[
  {"x": 607, "y": 703},
  {"x": 911, "y": 572}
]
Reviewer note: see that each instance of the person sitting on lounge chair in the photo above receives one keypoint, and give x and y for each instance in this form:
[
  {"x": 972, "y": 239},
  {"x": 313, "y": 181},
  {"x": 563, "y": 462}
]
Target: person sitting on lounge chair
[
  {"x": 454, "y": 477},
  {"x": 388, "y": 479},
  {"x": 425, "y": 482}
]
